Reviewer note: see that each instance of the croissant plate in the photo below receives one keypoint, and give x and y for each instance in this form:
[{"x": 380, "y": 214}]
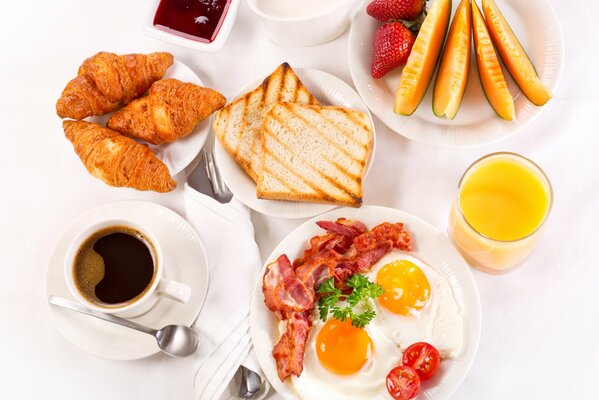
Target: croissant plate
[
  {"x": 169, "y": 112},
  {"x": 107, "y": 81},
  {"x": 117, "y": 160}
]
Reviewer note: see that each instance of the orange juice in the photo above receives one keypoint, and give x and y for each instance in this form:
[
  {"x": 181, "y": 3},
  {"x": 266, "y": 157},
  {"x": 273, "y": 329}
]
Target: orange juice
[{"x": 503, "y": 200}]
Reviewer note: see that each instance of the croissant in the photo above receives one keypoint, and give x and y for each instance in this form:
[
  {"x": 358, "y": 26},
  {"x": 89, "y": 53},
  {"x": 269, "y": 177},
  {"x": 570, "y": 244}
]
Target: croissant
[
  {"x": 170, "y": 111},
  {"x": 116, "y": 159},
  {"x": 107, "y": 81}
]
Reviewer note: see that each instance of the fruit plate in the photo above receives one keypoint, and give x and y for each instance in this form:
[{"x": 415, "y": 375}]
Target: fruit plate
[
  {"x": 535, "y": 24},
  {"x": 431, "y": 246},
  {"x": 328, "y": 90}
]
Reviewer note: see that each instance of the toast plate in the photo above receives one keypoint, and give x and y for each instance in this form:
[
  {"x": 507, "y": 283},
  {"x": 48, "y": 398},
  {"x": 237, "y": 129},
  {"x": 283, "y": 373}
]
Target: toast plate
[
  {"x": 476, "y": 124},
  {"x": 185, "y": 262},
  {"x": 328, "y": 90},
  {"x": 431, "y": 246},
  {"x": 180, "y": 153}
]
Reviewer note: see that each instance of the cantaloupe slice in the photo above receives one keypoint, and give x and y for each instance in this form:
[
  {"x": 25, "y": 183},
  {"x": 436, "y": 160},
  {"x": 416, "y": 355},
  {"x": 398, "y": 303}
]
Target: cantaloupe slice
[
  {"x": 455, "y": 64},
  {"x": 513, "y": 55},
  {"x": 419, "y": 69},
  {"x": 489, "y": 70}
]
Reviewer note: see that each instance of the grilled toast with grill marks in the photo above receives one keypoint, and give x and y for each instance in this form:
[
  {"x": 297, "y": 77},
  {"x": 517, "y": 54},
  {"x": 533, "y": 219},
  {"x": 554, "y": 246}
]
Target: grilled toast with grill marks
[
  {"x": 313, "y": 153},
  {"x": 237, "y": 125}
]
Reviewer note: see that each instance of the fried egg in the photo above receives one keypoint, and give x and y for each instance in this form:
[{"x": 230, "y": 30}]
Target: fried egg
[
  {"x": 342, "y": 361},
  {"x": 418, "y": 305}
]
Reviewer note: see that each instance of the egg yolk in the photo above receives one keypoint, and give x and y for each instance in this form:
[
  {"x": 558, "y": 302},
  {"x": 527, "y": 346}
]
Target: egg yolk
[
  {"x": 342, "y": 348},
  {"x": 406, "y": 288}
]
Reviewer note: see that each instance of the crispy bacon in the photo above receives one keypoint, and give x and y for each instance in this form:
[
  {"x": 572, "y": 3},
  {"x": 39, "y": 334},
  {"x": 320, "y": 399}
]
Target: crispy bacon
[
  {"x": 289, "y": 351},
  {"x": 342, "y": 226},
  {"x": 363, "y": 261},
  {"x": 290, "y": 291},
  {"x": 316, "y": 270},
  {"x": 282, "y": 289},
  {"x": 339, "y": 238},
  {"x": 385, "y": 232},
  {"x": 322, "y": 244}
]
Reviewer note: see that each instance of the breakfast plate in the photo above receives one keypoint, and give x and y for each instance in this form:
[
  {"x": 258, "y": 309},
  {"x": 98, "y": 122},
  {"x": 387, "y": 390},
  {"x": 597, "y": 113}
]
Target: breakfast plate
[
  {"x": 430, "y": 247},
  {"x": 177, "y": 155},
  {"x": 329, "y": 90},
  {"x": 476, "y": 124},
  {"x": 185, "y": 261}
]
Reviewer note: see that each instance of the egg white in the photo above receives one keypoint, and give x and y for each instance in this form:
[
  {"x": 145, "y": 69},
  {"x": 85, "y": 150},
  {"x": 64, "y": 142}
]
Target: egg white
[
  {"x": 317, "y": 383},
  {"x": 438, "y": 323}
]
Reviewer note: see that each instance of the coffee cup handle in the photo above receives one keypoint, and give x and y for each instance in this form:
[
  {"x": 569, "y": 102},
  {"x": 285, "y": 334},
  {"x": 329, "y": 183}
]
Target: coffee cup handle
[{"x": 174, "y": 290}]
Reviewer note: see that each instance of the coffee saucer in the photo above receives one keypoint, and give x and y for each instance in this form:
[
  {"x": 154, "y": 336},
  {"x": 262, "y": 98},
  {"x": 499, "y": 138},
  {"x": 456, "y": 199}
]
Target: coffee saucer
[{"x": 185, "y": 262}]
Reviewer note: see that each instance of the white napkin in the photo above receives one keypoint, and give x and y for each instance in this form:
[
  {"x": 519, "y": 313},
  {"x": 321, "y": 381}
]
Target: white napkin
[{"x": 223, "y": 324}]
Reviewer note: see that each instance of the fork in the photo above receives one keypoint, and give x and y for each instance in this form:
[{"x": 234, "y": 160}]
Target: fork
[{"x": 220, "y": 190}]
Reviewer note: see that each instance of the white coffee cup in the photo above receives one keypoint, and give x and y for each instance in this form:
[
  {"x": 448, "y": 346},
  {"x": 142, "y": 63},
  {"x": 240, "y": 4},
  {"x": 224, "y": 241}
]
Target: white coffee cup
[
  {"x": 309, "y": 28},
  {"x": 159, "y": 287}
]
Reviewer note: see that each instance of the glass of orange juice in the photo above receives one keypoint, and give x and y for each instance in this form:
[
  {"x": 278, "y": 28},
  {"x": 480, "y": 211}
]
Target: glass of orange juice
[{"x": 496, "y": 220}]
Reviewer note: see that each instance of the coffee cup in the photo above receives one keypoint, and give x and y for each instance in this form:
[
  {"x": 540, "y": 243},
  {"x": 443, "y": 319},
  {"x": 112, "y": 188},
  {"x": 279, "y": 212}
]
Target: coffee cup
[{"x": 117, "y": 267}]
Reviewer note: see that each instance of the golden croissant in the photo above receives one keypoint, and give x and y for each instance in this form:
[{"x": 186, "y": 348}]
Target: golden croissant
[
  {"x": 170, "y": 111},
  {"x": 116, "y": 159},
  {"x": 107, "y": 81}
]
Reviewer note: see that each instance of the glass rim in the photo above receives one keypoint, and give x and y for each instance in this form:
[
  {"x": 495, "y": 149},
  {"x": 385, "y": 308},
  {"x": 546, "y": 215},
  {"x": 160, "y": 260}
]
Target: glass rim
[{"x": 519, "y": 158}]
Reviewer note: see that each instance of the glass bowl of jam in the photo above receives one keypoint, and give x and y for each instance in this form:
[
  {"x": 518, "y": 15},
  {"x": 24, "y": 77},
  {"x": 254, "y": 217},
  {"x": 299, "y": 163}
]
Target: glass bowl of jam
[{"x": 197, "y": 24}]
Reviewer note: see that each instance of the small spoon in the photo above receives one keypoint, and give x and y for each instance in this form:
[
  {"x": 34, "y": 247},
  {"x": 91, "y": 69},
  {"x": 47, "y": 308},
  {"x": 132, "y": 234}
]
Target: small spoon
[
  {"x": 174, "y": 340},
  {"x": 250, "y": 383}
]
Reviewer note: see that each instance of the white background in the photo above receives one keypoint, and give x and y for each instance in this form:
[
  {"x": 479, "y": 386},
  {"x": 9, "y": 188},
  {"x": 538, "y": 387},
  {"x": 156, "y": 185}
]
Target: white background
[{"x": 540, "y": 323}]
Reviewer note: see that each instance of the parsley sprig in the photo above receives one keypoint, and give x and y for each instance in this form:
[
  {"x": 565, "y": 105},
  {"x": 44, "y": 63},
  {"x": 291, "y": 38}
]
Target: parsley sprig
[{"x": 358, "y": 309}]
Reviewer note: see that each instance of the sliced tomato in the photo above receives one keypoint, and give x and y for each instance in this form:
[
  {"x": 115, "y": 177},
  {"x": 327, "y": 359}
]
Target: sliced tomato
[
  {"x": 403, "y": 383},
  {"x": 424, "y": 358}
]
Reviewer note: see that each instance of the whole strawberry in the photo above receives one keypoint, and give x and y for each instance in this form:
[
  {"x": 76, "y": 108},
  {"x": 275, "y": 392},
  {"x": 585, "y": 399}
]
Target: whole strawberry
[
  {"x": 391, "y": 47},
  {"x": 386, "y": 10}
]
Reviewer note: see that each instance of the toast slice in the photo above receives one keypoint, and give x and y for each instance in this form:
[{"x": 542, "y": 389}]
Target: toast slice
[
  {"x": 237, "y": 125},
  {"x": 315, "y": 154}
]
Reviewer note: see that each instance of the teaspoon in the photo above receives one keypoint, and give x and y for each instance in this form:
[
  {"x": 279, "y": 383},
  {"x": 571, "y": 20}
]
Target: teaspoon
[{"x": 174, "y": 340}]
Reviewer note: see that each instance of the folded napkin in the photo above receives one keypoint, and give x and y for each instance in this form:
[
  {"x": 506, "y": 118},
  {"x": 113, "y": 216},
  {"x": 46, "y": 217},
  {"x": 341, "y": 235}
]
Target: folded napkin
[{"x": 223, "y": 324}]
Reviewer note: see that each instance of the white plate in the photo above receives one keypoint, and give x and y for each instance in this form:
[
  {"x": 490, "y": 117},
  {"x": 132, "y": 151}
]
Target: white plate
[
  {"x": 185, "y": 261},
  {"x": 329, "y": 90},
  {"x": 431, "y": 246},
  {"x": 476, "y": 124},
  {"x": 177, "y": 155}
]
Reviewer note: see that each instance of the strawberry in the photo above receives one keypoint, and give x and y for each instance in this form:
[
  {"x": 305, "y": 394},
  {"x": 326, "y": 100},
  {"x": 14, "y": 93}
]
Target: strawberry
[
  {"x": 391, "y": 47},
  {"x": 386, "y": 10}
]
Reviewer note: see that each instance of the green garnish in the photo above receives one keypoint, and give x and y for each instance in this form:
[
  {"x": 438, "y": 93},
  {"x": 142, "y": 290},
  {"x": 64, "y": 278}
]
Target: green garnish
[{"x": 359, "y": 309}]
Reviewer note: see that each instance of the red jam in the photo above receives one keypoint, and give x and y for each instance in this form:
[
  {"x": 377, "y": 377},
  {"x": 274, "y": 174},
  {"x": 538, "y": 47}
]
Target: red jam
[{"x": 198, "y": 20}]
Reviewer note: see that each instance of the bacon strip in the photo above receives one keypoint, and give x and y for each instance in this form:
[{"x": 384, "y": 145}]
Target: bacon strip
[
  {"x": 289, "y": 351},
  {"x": 282, "y": 289},
  {"x": 342, "y": 226},
  {"x": 290, "y": 291},
  {"x": 385, "y": 232}
]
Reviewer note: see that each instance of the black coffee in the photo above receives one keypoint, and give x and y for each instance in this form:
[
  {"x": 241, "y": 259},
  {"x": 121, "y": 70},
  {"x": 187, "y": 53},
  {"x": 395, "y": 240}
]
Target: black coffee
[{"x": 114, "y": 266}]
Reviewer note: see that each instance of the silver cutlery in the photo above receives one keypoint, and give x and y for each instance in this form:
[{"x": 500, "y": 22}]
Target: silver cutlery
[
  {"x": 250, "y": 383},
  {"x": 174, "y": 340},
  {"x": 206, "y": 179}
]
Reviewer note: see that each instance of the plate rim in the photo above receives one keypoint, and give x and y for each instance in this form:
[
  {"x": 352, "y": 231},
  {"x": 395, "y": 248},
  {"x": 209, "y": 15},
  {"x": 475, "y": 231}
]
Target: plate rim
[
  {"x": 353, "y": 42},
  {"x": 283, "y": 388},
  {"x": 319, "y": 208},
  {"x": 88, "y": 214}
]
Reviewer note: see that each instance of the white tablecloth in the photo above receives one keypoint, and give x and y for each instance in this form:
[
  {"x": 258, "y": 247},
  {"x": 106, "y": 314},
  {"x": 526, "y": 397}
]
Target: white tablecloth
[{"x": 540, "y": 322}]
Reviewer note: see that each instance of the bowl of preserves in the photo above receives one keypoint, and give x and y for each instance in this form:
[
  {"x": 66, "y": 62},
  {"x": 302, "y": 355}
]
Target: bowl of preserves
[{"x": 196, "y": 24}]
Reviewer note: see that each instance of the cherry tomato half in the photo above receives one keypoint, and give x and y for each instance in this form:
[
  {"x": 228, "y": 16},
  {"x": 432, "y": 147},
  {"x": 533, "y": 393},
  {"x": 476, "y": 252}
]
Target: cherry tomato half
[
  {"x": 423, "y": 358},
  {"x": 403, "y": 383}
]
